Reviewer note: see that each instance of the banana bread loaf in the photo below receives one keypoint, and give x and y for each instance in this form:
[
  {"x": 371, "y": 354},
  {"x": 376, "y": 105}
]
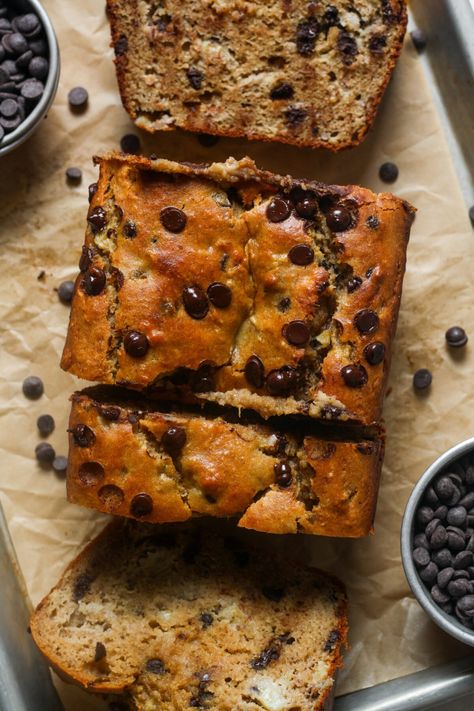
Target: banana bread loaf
[
  {"x": 306, "y": 73},
  {"x": 233, "y": 285},
  {"x": 183, "y": 618},
  {"x": 127, "y": 457}
]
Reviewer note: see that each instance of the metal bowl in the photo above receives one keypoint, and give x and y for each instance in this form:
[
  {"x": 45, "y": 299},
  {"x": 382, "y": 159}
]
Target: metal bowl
[
  {"x": 459, "y": 453},
  {"x": 32, "y": 121}
]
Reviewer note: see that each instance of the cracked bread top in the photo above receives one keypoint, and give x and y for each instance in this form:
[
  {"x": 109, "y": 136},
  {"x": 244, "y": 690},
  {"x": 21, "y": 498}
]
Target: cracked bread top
[
  {"x": 184, "y": 617},
  {"x": 299, "y": 72},
  {"x": 231, "y": 284},
  {"x": 129, "y": 458}
]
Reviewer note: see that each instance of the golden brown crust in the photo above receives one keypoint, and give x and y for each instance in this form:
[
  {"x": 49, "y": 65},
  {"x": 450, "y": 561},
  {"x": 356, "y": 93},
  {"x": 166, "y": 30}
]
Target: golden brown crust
[
  {"x": 374, "y": 71},
  {"x": 224, "y": 468},
  {"x": 239, "y": 246}
]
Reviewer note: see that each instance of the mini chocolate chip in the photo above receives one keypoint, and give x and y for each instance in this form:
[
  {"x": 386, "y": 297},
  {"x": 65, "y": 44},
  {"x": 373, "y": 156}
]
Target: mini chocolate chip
[
  {"x": 296, "y": 333},
  {"x": 73, "y": 175},
  {"x": 91, "y": 473},
  {"x": 100, "y": 652},
  {"x": 421, "y": 557},
  {"x": 60, "y": 464},
  {"x": 294, "y": 116},
  {"x": 444, "y": 577},
  {"x": 366, "y": 321},
  {"x": 32, "y": 387},
  {"x": 44, "y": 453},
  {"x": 83, "y": 435},
  {"x": 78, "y": 98},
  {"x": 110, "y": 413},
  {"x": 338, "y": 218},
  {"x": 281, "y": 381},
  {"x": 354, "y": 375},
  {"x": 457, "y": 516},
  {"x": 136, "y": 344},
  {"x": 388, "y": 172},
  {"x": 306, "y": 35},
  {"x": 207, "y": 619},
  {"x": 254, "y": 371},
  {"x": 347, "y": 45},
  {"x": 91, "y": 190},
  {"x": 284, "y": 304},
  {"x": 439, "y": 538},
  {"x": 94, "y": 281},
  {"x": 422, "y": 379},
  {"x": 121, "y": 46},
  {"x": 45, "y": 425},
  {"x": 439, "y": 596},
  {"x": 283, "y": 475},
  {"x": 141, "y": 505},
  {"x": 456, "y": 337},
  {"x": 373, "y": 222},
  {"x": 66, "y": 291},
  {"x": 130, "y": 143},
  {"x": 81, "y": 586},
  {"x": 278, "y": 210},
  {"x": 8, "y": 108},
  {"x": 219, "y": 295},
  {"x": 459, "y": 588},
  {"x": 173, "y": 219},
  {"x": 429, "y": 573},
  {"x": 155, "y": 666},
  {"x": 301, "y": 254},
  {"x": 454, "y": 498},
  {"x": 173, "y": 440},
  {"x": 418, "y": 38},
  {"x": 97, "y": 219},
  {"x": 195, "y": 77},
  {"x": 374, "y": 353},
  {"x": 117, "y": 278},
  {"x": 353, "y": 284},
  {"x": 377, "y": 43},
  {"x": 282, "y": 91}
]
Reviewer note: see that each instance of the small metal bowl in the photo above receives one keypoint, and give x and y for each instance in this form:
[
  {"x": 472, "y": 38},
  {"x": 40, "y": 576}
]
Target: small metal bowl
[
  {"x": 448, "y": 623},
  {"x": 32, "y": 121}
]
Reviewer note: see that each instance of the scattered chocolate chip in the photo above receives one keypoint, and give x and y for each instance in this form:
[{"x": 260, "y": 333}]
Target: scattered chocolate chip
[
  {"x": 456, "y": 337},
  {"x": 278, "y": 210},
  {"x": 306, "y": 206},
  {"x": 141, "y": 505},
  {"x": 110, "y": 413},
  {"x": 296, "y": 333},
  {"x": 100, "y": 652},
  {"x": 422, "y": 379},
  {"x": 281, "y": 381},
  {"x": 418, "y": 38},
  {"x": 83, "y": 435},
  {"x": 66, "y": 291},
  {"x": 388, "y": 172},
  {"x": 206, "y": 140},
  {"x": 78, "y": 98},
  {"x": 207, "y": 619},
  {"x": 295, "y": 116},
  {"x": 283, "y": 475},
  {"x": 45, "y": 425},
  {"x": 353, "y": 284},
  {"x": 136, "y": 344},
  {"x": 338, "y": 218},
  {"x": 374, "y": 353},
  {"x": 60, "y": 464},
  {"x": 195, "y": 302},
  {"x": 33, "y": 387},
  {"x": 97, "y": 219},
  {"x": 92, "y": 189},
  {"x": 366, "y": 321},
  {"x": 306, "y": 35},
  {"x": 284, "y": 304},
  {"x": 270, "y": 654},
  {"x": 74, "y": 175},
  {"x": 130, "y": 143},
  {"x": 377, "y": 44},
  {"x": 254, "y": 371},
  {"x": 347, "y": 45},
  {"x": 130, "y": 229},
  {"x": 219, "y": 295},
  {"x": 301, "y": 254},
  {"x": 94, "y": 281},
  {"x": 282, "y": 91},
  {"x": 91, "y": 473},
  {"x": 86, "y": 258},
  {"x": 373, "y": 222},
  {"x": 354, "y": 375},
  {"x": 173, "y": 440},
  {"x": 173, "y": 219},
  {"x": 44, "y": 453},
  {"x": 195, "y": 77},
  {"x": 155, "y": 666}
]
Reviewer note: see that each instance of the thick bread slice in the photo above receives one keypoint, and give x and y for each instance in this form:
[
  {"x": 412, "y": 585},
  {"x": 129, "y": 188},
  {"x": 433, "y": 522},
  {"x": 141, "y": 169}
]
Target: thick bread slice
[
  {"x": 180, "y": 617},
  {"x": 129, "y": 458},
  {"x": 306, "y": 73},
  {"x": 235, "y": 285}
]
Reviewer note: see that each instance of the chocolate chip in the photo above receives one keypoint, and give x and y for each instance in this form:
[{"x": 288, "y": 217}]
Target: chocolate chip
[
  {"x": 374, "y": 353},
  {"x": 347, "y": 45},
  {"x": 195, "y": 77},
  {"x": 74, "y": 175},
  {"x": 455, "y": 336},
  {"x": 459, "y": 588},
  {"x": 301, "y": 254},
  {"x": 91, "y": 473},
  {"x": 373, "y": 222},
  {"x": 444, "y": 487},
  {"x": 81, "y": 586},
  {"x": 92, "y": 189},
  {"x": 254, "y": 371},
  {"x": 467, "y": 501},
  {"x": 219, "y": 295},
  {"x": 45, "y": 424},
  {"x": 366, "y": 321},
  {"x": 470, "y": 476},
  {"x": 33, "y": 387},
  {"x": 421, "y": 557},
  {"x": 38, "y": 68},
  {"x": 294, "y": 116},
  {"x": 195, "y": 302},
  {"x": 44, "y": 453},
  {"x": 94, "y": 281},
  {"x": 207, "y": 619},
  {"x": 354, "y": 375},
  {"x": 8, "y": 108},
  {"x": 155, "y": 666},
  {"x": 207, "y": 140},
  {"x": 141, "y": 505},
  {"x": 28, "y": 24},
  {"x": 100, "y": 652},
  {"x": 60, "y": 464},
  {"x": 83, "y": 435},
  {"x": 306, "y": 35},
  {"x": 422, "y": 379},
  {"x": 284, "y": 304},
  {"x": 455, "y": 542},
  {"x": 444, "y": 577},
  {"x": 432, "y": 526},
  {"x": 97, "y": 219},
  {"x": 463, "y": 560},
  {"x": 418, "y": 38},
  {"x": 130, "y": 143},
  {"x": 443, "y": 558},
  {"x": 457, "y": 516},
  {"x": 136, "y": 344},
  {"x": 173, "y": 219},
  {"x": 283, "y": 475},
  {"x": 282, "y": 91},
  {"x": 296, "y": 333},
  {"x": 121, "y": 46},
  {"x": 278, "y": 210},
  {"x": 439, "y": 538},
  {"x": 130, "y": 229},
  {"x": 173, "y": 440},
  {"x": 269, "y": 654},
  {"x": 441, "y": 512},
  {"x": 338, "y": 218},
  {"x": 420, "y": 540},
  {"x": 78, "y": 98},
  {"x": 439, "y": 596},
  {"x": 388, "y": 172},
  {"x": 466, "y": 605},
  {"x": 117, "y": 278},
  {"x": 353, "y": 284},
  {"x": 39, "y": 47},
  {"x": 110, "y": 413},
  {"x": 281, "y": 381},
  {"x": 429, "y": 573}
]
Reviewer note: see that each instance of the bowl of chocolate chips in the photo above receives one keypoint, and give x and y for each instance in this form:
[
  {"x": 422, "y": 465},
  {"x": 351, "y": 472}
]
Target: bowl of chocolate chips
[
  {"x": 29, "y": 70},
  {"x": 437, "y": 541}
]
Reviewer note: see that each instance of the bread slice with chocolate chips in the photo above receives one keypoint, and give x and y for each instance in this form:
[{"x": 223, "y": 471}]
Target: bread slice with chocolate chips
[
  {"x": 183, "y": 617},
  {"x": 130, "y": 457},
  {"x": 232, "y": 285},
  {"x": 299, "y": 72}
]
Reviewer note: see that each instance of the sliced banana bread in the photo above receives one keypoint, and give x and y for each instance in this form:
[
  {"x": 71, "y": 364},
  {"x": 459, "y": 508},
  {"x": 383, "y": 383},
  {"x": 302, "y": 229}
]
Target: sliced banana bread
[
  {"x": 300, "y": 72},
  {"x": 180, "y": 617}
]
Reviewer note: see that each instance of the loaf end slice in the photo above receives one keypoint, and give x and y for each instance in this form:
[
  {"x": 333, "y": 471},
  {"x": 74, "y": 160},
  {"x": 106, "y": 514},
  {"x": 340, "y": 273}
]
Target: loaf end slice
[{"x": 181, "y": 617}]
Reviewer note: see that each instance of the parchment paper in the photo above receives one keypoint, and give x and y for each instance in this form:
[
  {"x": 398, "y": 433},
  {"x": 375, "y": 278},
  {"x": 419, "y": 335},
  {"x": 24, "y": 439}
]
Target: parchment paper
[{"x": 42, "y": 224}]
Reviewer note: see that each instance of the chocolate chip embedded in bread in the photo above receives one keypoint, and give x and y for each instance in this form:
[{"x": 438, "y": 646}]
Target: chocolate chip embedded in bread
[
  {"x": 110, "y": 412},
  {"x": 173, "y": 440},
  {"x": 155, "y": 666},
  {"x": 283, "y": 474},
  {"x": 294, "y": 116},
  {"x": 366, "y": 321},
  {"x": 374, "y": 353},
  {"x": 219, "y": 295},
  {"x": 195, "y": 302},
  {"x": 130, "y": 229},
  {"x": 338, "y": 218},
  {"x": 306, "y": 35},
  {"x": 281, "y": 381},
  {"x": 81, "y": 586},
  {"x": 284, "y": 304},
  {"x": 347, "y": 46},
  {"x": 282, "y": 91},
  {"x": 301, "y": 255},
  {"x": 121, "y": 46},
  {"x": 97, "y": 219},
  {"x": 254, "y": 371},
  {"x": 354, "y": 375},
  {"x": 91, "y": 473},
  {"x": 332, "y": 640},
  {"x": 94, "y": 281},
  {"x": 83, "y": 435},
  {"x": 195, "y": 77},
  {"x": 275, "y": 594},
  {"x": 92, "y": 189},
  {"x": 296, "y": 333},
  {"x": 353, "y": 284},
  {"x": 136, "y": 344},
  {"x": 173, "y": 219},
  {"x": 306, "y": 206},
  {"x": 100, "y": 652},
  {"x": 141, "y": 505},
  {"x": 207, "y": 619},
  {"x": 377, "y": 44},
  {"x": 278, "y": 209},
  {"x": 270, "y": 654}
]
